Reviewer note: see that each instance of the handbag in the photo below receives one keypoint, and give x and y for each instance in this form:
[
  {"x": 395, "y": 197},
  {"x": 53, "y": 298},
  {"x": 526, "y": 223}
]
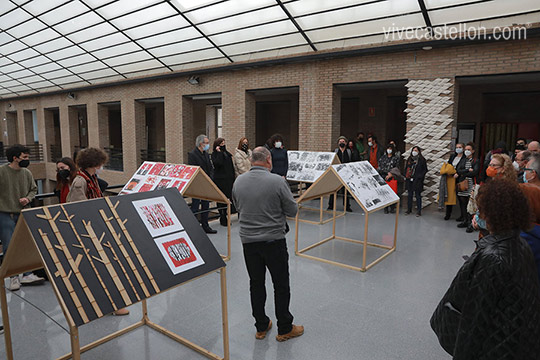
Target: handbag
[
  {"x": 463, "y": 185},
  {"x": 393, "y": 184}
]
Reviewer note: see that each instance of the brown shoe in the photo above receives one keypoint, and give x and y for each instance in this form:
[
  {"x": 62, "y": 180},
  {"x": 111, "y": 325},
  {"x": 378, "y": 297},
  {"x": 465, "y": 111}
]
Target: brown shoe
[
  {"x": 121, "y": 312},
  {"x": 297, "y": 330},
  {"x": 262, "y": 334}
]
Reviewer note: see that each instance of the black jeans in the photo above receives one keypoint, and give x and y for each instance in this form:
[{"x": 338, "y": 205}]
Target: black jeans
[
  {"x": 463, "y": 201},
  {"x": 274, "y": 256},
  {"x": 204, "y": 204},
  {"x": 340, "y": 192},
  {"x": 410, "y": 192}
]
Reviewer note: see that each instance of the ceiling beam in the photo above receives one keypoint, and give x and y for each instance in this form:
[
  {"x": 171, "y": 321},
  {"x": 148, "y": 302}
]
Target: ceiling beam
[{"x": 295, "y": 23}]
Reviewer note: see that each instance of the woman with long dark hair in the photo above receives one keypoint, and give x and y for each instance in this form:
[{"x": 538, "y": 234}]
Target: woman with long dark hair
[
  {"x": 241, "y": 157},
  {"x": 467, "y": 171},
  {"x": 223, "y": 174},
  {"x": 415, "y": 173},
  {"x": 66, "y": 170}
]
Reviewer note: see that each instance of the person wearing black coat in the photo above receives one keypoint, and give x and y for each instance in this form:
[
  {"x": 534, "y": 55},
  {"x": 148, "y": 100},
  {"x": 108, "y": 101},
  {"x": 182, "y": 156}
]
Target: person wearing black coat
[
  {"x": 199, "y": 157},
  {"x": 280, "y": 159},
  {"x": 466, "y": 170},
  {"x": 492, "y": 308},
  {"x": 223, "y": 174},
  {"x": 415, "y": 173}
]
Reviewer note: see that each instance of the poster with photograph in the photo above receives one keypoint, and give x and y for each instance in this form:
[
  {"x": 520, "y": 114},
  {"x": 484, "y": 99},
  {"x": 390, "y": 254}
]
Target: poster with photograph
[
  {"x": 187, "y": 172},
  {"x": 156, "y": 168},
  {"x": 177, "y": 171},
  {"x": 157, "y": 216},
  {"x": 155, "y": 176},
  {"x": 308, "y": 166},
  {"x": 132, "y": 184},
  {"x": 366, "y": 184},
  {"x": 179, "y": 184},
  {"x": 179, "y": 252},
  {"x": 144, "y": 169}
]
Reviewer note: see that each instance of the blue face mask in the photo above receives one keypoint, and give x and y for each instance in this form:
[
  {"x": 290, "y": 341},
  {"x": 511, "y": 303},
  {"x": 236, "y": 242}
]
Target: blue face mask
[
  {"x": 206, "y": 147},
  {"x": 525, "y": 177}
]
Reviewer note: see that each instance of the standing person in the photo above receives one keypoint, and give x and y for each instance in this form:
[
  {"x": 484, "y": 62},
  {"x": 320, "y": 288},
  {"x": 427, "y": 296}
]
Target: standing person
[
  {"x": 241, "y": 157},
  {"x": 18, "y": 189},
  {"x": 85, "y": 185},
  {"x": 491, "y": 309},
  {"x": 66, "y": 170},
  {"x": 199, "y": 157},
  {"x": 360, "y": 146},
  {"x": 264, "y": 201},
  {"x": 223, "y": 174},
  {"x": 386, "y": 163},
  {"x": 280, "y": 159},
  {"x": 521, "y": 142},
  {"x": 345, "y": 156},
  {"x": 517, "y": 150},
  {"x": 534, "y": 146},
  {"x": 374, "y": 152},
  {"x": 355, "y": 156},
  {"x": 531, "y": 174},
  {"x": 520, "y": 162},
  {"x": 397, "y": 152},
  {"x": 466, "y": 170},
  {"x": 455, "y": 159},
  {"x": 415, "y": 173}
]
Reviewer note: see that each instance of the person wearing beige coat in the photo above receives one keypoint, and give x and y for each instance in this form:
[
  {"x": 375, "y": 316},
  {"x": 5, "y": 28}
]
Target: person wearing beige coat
[{"x": 241, "y": 157}]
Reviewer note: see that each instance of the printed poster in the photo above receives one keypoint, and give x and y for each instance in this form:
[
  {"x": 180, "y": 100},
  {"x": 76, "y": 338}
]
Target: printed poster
[
  {"x": 155, "y": 176},
  {"x": 308, "y": 166},
  {"x": 157, "y": 216},
  {"x": 179, "y": 252},
  {"x": 366, "y": 184}
]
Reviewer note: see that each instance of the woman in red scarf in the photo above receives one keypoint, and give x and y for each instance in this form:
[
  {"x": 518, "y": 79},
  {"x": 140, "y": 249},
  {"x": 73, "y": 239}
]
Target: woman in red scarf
[
  {"x": 66, "y": 170},
  {"x": 85, "y": 185}
]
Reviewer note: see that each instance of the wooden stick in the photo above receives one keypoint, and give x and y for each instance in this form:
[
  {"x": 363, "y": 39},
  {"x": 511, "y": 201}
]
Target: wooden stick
[
  {"x": 125, "y": 254},
  {"x": 224, "y": 313},
  {"x": 228, "y": 231},
  {"x": 5, "y": 319},
  {"x": 108, "y": 265},
  {"x": 332, "y": 262},
  {"x": 75, "y": 345},
  {"x": 296, "y": 232},
  {"x": 115, "y": 257},
  {"x": 396, "y": 226},
  {"x": 132, "y": 244},
  {"x": 334, "y": 214},
  {"x": 365, "y": 242},
  {"x": 380, "y": 259},
  {"x": 317, "y": 244}
]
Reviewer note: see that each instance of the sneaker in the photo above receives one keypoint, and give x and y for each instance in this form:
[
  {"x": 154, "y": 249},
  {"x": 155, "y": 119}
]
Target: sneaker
[
  {"x": 262, "y": 334},
  {"x": 297, "y": 330},
  {"x": 32, "y": 279},
  {"x": 408, "y": 212},
  {"x": 418, "y": 214},
  {"x": 14, "y": 283}
]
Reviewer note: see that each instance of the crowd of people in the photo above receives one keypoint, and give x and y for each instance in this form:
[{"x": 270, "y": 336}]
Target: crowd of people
[{"x": 491, "y": 301}]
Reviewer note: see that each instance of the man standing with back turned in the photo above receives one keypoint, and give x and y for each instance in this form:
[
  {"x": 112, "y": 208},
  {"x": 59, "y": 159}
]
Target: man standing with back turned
[{"x": 264, "y": 200}]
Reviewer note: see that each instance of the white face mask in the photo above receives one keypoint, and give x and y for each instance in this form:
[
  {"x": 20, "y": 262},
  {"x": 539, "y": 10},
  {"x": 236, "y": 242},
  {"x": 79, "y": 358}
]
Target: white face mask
[
  {"x": 414, "y": 153},
  {"x": 388, "y": 151},
  {"x": 99, "y": 170},
  {"x": 516, "y": 165},
  {"x": 370, "y": 143},
  {"x": 277, "y": 144},
  {"x": 468, "y": 153},
  {"x": 459, "y": 150}
]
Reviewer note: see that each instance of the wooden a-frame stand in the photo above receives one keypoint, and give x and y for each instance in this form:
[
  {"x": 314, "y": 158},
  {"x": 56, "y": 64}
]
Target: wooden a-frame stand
[
  {"x": 329, "y": 184},
  {"x": 23, "y": 255},
  {"x": 202, "y": 187}
]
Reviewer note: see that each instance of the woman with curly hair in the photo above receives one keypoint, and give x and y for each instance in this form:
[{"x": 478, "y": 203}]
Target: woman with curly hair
[
  {"x": 492, "y": 308},
  {"x": 85, "y": 185}
]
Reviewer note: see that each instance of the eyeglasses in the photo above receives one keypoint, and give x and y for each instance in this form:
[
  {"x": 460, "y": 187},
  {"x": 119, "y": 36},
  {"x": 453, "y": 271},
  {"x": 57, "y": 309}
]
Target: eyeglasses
[
  {"x": 495, "y": 165},
  {"x": 527, "y": 169}
]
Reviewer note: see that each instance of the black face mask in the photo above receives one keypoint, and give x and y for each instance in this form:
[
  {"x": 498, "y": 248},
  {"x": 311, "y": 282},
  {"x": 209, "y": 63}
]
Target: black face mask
[
  {"x": 24, "y": 163},
  {"x": 64, "y": 174},
  {"x": 245, "y": 147},
  {"x": 223, "y": 148},
  {"x": 341, "y": 145},
  {"x": 360, "y": 139}
]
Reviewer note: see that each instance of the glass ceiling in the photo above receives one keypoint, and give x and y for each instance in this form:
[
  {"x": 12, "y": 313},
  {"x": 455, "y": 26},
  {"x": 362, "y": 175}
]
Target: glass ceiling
[{"x": 48, "y": 45}]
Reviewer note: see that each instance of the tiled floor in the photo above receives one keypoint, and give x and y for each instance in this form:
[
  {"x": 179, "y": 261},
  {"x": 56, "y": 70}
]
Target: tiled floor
[{"x": 381, "y": 314}]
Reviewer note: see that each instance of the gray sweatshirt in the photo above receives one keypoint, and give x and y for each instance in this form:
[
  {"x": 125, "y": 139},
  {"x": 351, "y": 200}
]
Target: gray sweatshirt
[{"x": 263, "y": 201}]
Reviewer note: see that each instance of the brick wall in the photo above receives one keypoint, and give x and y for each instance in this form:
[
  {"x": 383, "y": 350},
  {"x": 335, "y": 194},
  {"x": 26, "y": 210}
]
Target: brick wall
[{"x": 319, "y": 109}]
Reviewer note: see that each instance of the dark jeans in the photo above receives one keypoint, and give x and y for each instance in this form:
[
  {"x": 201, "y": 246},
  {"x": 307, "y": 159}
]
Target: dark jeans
[
  {"x": 204, "y": 205},
  {"x": 463, "y": 201},
  {"x": 410, "y": 193},
  {"x": 7, "y": 226},
  {"x": 274, "y": 256}
]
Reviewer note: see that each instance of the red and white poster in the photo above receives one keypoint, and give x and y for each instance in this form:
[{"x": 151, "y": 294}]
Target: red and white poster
[
  {"x": 157, "y": 216},
  {"x": 154, "y": 176},
  {"x": 188, "y": 172},
  {"x": 179, "y": 252},
  {"x": 156, "y": 168}
]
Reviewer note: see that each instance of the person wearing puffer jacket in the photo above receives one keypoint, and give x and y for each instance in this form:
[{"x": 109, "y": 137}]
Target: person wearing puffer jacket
[{"x": 241, "y": 157}]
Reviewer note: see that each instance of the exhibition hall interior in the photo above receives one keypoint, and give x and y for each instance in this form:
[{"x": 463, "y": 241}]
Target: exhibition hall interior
[{"x": 270, "y": 179}]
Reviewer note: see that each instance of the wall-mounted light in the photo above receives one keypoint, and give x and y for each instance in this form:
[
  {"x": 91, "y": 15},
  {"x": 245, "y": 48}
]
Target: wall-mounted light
[
  {"x": 71, "y": 96},
  {"x": 194, "y": 80},
  {"x": 10, "y": 105},
  {"x": 427, "y": 48}
]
